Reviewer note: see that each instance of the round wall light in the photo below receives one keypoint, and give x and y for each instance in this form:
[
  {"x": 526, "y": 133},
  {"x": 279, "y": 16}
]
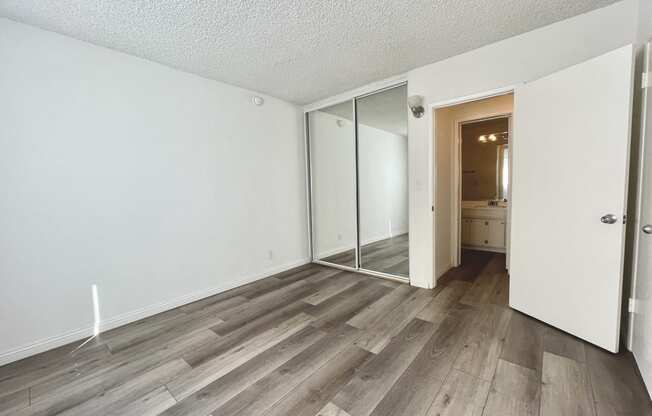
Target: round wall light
[
  {"x": 257, "y": 100},
  {"x": 415, "y": 103}
]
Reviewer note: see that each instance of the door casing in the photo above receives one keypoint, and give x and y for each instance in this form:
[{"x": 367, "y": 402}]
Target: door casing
[{"x": 432, "y": 155}]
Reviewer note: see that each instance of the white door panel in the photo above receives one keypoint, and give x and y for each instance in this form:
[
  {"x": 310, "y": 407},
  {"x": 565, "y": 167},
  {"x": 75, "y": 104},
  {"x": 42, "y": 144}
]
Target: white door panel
[
  {"x": 570, "y": 158},
  {"x": 642, "y": 328}
]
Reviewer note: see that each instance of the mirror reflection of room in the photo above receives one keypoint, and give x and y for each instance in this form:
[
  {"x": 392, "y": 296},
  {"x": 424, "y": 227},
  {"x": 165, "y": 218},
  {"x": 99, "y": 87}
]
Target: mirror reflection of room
[
  {"x": 485, "y": 183},
  {"x": 368, "y": 201},
  {"x": 332, "y": 164},
  {"x": 383, "y": 181}
]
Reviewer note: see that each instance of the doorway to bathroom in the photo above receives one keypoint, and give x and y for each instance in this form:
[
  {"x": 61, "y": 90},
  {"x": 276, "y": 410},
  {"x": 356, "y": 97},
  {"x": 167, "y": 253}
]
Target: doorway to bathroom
[
  {"x": 472, "y": 181},
  {"x": 482, "y": 186}
]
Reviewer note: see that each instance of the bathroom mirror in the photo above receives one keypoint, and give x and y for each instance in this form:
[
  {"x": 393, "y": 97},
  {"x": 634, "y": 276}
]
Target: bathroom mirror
[{"x": 485, "y": 159}]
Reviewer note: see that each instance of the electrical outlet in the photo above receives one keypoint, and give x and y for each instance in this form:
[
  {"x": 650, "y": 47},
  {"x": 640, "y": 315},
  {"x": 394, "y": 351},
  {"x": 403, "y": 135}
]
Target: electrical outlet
[
  {"x": 270, "y": 254},
  {"x": 339, "y": 236}
]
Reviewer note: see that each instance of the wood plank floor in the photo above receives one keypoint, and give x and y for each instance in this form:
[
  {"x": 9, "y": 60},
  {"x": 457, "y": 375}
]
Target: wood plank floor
[
  {"x": 388, "y": 256},
  {"x": 318, "y": 341}
]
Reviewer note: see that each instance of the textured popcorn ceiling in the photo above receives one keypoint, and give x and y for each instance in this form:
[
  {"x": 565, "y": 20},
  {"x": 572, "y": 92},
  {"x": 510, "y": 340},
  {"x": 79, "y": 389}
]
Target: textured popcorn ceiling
[{"x": 298, "y": 50}]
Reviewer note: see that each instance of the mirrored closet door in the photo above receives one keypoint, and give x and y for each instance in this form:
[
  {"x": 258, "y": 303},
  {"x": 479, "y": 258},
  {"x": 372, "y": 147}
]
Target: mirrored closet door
[
  {"x": 383, "y": 181},
  {"x": 359, "y": 185},
  {"x": 333, "y": 189}
]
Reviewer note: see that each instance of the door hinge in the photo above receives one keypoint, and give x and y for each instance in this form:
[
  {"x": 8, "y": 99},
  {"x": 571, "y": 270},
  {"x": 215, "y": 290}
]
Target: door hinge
[
  {"x": 624, "y": 219},
  {"x": 646, "y": 81},
  {"x": 632, "y": 305},
  {"x": 432, "y": 208}
]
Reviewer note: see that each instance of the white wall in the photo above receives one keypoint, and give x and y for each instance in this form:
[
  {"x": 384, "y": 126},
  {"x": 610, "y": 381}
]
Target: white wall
[
  {"x": 156, "y": 185},
  {"x": 446, "y": 122},
  {"x": 502, "y": 64},
  {"x": 383, "y": 183}
]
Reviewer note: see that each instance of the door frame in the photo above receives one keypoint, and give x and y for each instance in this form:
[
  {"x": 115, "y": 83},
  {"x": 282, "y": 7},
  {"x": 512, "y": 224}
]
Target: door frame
[
  {"x": 639, "y": 193},
  {"x": 456, "y": 212},
  {"x": 432, "y": 155}
]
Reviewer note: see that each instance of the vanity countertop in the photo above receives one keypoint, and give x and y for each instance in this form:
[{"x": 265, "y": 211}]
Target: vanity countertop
[{"x": 483, "y": 204}]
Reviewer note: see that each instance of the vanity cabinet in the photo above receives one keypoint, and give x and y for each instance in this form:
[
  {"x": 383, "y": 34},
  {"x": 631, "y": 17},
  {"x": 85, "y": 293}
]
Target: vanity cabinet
[
  {"x": 496, "y": 233},
  {"x": 484, "y": 230},
  {"x": 475, "y": 232}
]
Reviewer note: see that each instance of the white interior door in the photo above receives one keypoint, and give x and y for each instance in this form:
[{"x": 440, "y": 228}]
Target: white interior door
[
  {"x": 642, "y": 318},
  {"x": 570, "y": 162}
]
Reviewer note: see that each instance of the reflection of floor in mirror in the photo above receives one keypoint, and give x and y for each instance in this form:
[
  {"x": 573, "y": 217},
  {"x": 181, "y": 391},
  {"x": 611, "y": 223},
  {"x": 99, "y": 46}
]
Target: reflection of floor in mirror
[{"x": 388, "y": 256}]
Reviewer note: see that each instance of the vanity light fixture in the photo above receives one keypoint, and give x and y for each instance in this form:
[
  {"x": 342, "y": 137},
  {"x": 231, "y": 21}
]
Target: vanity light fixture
[{"x": 493, "y": 137}]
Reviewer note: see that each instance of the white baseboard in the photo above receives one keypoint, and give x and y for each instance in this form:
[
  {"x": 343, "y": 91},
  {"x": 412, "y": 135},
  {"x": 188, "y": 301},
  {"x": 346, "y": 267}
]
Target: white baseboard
[
  {"x": 44, "y": 344},
  {"x": 80, "y": 334}
]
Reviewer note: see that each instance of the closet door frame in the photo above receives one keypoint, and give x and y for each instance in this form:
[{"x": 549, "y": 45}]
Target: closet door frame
[
  {"x": 309, "y": 190},
  {"x": 361, "y": 269}
]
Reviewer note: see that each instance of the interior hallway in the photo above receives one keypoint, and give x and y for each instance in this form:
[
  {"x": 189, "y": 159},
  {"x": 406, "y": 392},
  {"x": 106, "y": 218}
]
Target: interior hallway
[{"x": 316, "y": 340}]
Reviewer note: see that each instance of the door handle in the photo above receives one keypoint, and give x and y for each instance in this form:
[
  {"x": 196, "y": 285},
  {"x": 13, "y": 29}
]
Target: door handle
[
  {"x": 609, "y": 219},
  {"x": 647, "y": 229}
]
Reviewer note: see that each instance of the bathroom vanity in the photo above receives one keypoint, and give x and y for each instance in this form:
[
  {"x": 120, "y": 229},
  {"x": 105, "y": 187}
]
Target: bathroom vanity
[{"x": 484, "y": 226}]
